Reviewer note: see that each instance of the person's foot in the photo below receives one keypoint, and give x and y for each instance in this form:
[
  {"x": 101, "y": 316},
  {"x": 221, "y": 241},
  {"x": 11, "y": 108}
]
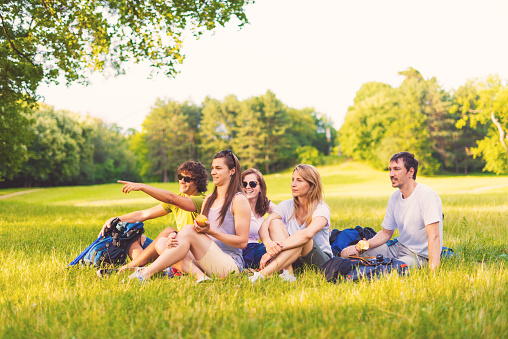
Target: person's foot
[
  {"x": 204, "y": 279},
  {"x": 138, "y": 276},
  {"x": 255, "y": 277},
  {"x": 286, "y": 276}
]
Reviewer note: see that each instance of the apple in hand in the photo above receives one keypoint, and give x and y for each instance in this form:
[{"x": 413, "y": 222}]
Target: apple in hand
[{"x": 200, "y": 220}]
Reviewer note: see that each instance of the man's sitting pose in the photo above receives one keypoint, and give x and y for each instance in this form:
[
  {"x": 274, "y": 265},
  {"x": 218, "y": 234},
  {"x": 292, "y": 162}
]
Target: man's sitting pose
[
  {"x": 185, "y": 206},
  {"x": 415, "y": 209}
]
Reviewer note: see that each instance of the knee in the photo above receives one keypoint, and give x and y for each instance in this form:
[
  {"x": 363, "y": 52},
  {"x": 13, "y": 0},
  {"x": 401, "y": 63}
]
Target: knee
[
  {"x": 160, "y": 246},
  {"x": 167, "y": 231},
  {"x": 187, "y": 231},
  {"x": 276, "y": 225}
]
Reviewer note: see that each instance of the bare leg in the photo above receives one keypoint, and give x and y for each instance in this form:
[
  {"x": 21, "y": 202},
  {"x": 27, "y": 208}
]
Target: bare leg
[
  {"x": 136, "y": 249},
  {"x": 279, "y": 232},
  {"x": 149, "y": 254},
  {"x": 185, "y": 265},
  {"x": 188, "y": 240},
  {"x": 286, "y": 258}
]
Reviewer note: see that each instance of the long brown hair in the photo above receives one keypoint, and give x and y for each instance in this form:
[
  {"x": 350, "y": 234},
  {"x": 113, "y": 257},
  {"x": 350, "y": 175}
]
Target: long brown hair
[
  {"x": 262, "y": 202},
  {"x": 315, "y": 195},
  {"x": 234, "y": 186}
]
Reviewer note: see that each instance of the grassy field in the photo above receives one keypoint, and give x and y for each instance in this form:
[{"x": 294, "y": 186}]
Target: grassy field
[{"x": 42, "y": 231}]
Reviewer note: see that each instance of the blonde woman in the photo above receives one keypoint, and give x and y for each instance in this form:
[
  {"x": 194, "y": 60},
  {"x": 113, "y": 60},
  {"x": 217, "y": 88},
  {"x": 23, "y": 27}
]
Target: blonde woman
[
  {"x": 254, "y": 188},
  {"x": 298, "y": 230},
  {"x": 214, "y": 248}
]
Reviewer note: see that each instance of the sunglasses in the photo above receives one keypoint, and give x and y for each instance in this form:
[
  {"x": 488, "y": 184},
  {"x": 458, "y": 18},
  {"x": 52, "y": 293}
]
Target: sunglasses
[
  {"x": 252, "y": 184},
  {"x": 226, "y": 152},
  {"x": 186, "y": 179}
]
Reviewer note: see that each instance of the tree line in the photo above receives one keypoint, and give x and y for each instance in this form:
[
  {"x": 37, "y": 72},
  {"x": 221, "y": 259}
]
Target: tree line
[
  {"x": 461, "y": 132},
  {"x": 70, "y": 149}
]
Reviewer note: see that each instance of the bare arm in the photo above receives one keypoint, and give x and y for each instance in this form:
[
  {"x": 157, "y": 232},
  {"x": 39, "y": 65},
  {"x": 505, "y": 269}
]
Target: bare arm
[
  {"x": 241, "y": 213},
  {"x": 160, "y": 194},
  {"x": 151, "y": 213},
  {"x": 301, "y": 237},
  {"x": 379, "y": 239},
  {"x": 434, "y": 245},
  {"x": 264, "y": 233}
]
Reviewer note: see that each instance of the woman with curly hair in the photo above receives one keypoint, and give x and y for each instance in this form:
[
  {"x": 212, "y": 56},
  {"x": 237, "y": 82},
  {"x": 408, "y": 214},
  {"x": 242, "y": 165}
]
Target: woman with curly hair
[{"x": 185, "y": 206}]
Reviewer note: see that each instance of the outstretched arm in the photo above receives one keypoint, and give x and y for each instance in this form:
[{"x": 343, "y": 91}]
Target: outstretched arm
[
  {"x": 160, "y": 194},
  {"x": 379, "y": 239}
]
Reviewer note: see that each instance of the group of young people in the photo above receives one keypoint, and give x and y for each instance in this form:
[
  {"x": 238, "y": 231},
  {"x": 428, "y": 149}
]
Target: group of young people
[{"x": 237, "y": 236}]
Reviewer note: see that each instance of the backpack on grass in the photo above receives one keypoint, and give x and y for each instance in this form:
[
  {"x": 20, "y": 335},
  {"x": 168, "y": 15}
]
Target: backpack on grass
[
  {"x": 349, "y": 236},
  {"x": 356, "y": 268},
  {"x": 113, "y": 248}
]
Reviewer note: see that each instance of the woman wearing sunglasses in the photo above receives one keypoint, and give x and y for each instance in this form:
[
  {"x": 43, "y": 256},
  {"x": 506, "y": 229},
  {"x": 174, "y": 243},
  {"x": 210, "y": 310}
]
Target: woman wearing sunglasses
[
  {"x": 254, "y": 188},
  {"x": 298, "y": 230},
  {"x": 215, "y": 247}
]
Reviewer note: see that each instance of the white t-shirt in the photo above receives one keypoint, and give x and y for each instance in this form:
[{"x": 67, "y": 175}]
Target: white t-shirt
[
  {"x": 322, "y": 238},
  {"x": 411, "y": 215},
  {"x": 255, "y": 224}
]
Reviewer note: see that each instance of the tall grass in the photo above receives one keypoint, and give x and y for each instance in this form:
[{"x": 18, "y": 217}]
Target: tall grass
[{"x": 42, "y": 231}]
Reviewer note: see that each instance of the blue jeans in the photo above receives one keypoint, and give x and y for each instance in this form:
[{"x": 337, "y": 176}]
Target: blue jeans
[{"x": 252, "y": 254}]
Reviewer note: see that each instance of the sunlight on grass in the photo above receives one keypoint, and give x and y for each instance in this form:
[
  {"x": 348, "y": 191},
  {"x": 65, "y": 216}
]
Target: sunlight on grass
[{"x": 43, "y": 231}]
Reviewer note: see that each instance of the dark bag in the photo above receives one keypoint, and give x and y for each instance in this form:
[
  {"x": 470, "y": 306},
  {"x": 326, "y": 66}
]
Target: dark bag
[
  {"x": 357, "y": 268},
  {"x": 349, "y": 236},
  {"x": 113, "y": 248}
]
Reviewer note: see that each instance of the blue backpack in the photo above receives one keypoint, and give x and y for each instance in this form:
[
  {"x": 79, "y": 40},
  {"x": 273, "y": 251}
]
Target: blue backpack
[
  {"x": 358, "y": 268},
  {"x": 349, "y": 236},
  {"x": 113, "y": 248}
]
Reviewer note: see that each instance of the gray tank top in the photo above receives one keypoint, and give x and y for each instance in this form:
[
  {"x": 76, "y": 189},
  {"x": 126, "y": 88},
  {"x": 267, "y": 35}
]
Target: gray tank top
[{"x": 227, "y": 227}]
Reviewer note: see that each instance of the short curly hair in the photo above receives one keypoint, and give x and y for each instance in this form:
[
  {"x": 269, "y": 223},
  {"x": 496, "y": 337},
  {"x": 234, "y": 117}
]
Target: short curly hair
[{"x": 197, "y": 171}]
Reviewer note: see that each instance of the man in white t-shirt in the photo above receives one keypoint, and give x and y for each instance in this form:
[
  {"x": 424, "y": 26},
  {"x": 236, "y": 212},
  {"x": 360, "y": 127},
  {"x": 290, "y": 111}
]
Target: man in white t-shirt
[{"x": 416, "y": 211}]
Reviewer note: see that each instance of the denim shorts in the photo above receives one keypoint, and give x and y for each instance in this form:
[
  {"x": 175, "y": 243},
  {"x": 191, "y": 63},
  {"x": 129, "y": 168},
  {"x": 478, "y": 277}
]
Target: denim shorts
[
  {"x": 147, "y": 243},
  {"x": 252, "y": 254}
]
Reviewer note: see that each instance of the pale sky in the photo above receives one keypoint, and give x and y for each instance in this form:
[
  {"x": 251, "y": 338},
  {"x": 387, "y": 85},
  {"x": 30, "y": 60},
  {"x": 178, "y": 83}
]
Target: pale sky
[{"x": 311, "y": 53}]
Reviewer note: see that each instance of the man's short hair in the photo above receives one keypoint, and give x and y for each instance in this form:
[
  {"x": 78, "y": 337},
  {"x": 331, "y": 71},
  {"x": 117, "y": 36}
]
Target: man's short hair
[
  {"x": 196, "y": 171},
  {"x": 409, "y": 161}
]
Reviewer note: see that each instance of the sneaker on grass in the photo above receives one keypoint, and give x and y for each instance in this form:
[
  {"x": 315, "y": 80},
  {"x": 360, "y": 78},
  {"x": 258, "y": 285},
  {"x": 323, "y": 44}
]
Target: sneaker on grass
[
  {"x": 137, "y": 276},
  {"x": 255, "y": 277},
  {"x": 286, "y": 276}
]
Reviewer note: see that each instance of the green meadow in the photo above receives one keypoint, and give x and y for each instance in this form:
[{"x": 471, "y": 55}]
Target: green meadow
[{"x": 41, "y": 231}]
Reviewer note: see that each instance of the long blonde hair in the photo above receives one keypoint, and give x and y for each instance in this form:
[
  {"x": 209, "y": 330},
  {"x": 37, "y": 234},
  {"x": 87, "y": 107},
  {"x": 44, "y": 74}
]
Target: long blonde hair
[{"x": 315, "y": 194}]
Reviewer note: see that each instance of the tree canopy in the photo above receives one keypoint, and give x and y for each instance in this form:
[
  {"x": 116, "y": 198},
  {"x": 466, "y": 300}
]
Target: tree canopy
[
  {"x": 49, "y": 40},
  {"x": 462, "y": 131}
]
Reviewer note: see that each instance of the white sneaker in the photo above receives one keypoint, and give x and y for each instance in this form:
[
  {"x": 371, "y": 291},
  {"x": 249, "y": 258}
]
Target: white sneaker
[
  {"x": 286, "y": 276},
  {"x": 205, "y": 278},
  {"x": 255, "y": 277},
  {"x": 137, "y": 276}
]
